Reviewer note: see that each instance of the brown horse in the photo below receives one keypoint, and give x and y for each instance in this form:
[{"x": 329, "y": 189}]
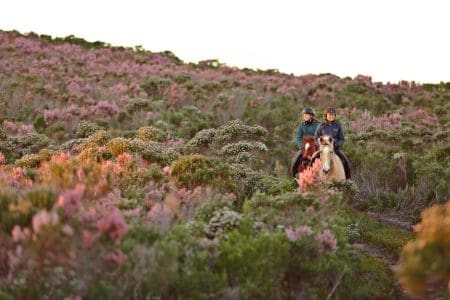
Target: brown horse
[
  {"x": 331, "y": 163},
  {"x": 302, "y": 157},
  {"x": 308, "y": 149}
]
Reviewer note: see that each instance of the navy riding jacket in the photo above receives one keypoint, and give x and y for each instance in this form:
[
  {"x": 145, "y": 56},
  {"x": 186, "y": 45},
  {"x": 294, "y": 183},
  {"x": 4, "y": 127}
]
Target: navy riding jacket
[{"x": 332, "y": 129}]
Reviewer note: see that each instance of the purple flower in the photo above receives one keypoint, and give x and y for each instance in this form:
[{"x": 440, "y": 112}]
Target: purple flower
[
  {"x": 327, "y": 239},
  {"x": 296, "y": 234}
]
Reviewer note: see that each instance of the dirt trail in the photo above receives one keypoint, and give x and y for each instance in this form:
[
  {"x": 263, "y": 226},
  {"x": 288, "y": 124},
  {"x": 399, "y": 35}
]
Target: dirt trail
[
  {"x": 393, "y": 220},
  {"x": 431, "y": 293}
]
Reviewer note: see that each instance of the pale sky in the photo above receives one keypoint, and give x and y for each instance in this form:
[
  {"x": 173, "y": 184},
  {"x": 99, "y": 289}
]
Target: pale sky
[{"x": 388, "y": 40}]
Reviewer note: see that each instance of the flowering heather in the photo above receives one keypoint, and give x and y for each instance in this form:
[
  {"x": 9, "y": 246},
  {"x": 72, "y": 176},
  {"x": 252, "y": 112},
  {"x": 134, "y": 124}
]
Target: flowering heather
[
  {"x": 105, "y": 108},
  {"x": 159, "y": 214},
  {"x": 167, "y": 170},
  {"x": 421, "y": 116},
  {"x": 389, "y": 122},
  {"x": 70, "y": 200},
  {"x": 296, "y": 234},
  {"x": 123, "y": 163},
  {"x": 143, "y": 129},
  {"x": 19, "y": 178},
  {"x": 114, "y": 225},
  {"x": 44, "y": 218},
  {"x": 117, "y": 257},
  {"x": 9, "y": 126},
  {"x": 327, "y": 240},
  {"x": 19, "y": 234},
  {"x": 24, "y": 129}
]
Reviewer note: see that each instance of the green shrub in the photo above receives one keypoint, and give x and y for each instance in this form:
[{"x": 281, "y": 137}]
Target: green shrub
[
  {"x": 156, "y": 87},
  {"x": 194, "y": 170},
  {"x": 255, "y": 263},
  {"x": 150, "y": 133},
  {"x": 85, "y": 129},
  {"x": 39, "y": 123}
]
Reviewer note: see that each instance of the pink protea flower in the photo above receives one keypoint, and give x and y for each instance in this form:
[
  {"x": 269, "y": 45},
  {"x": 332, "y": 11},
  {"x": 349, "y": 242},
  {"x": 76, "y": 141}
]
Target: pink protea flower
[
  {"x": 44, "y": 218},
  {"x": 327, "y": 239}
]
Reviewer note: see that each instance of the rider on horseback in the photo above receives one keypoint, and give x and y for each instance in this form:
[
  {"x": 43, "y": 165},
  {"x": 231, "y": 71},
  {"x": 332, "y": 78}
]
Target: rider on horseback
[
  {"x": 333, "y": 129},
  {"x": 306, "y": 129}
]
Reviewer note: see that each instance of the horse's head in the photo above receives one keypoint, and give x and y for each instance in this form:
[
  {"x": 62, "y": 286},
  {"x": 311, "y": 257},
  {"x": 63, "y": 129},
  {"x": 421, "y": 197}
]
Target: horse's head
[
  {"x": 309, "y": 147},
  {"x": 326, "y": 152}
]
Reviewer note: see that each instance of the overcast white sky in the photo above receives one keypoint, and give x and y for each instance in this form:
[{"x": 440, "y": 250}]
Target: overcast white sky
[{"x": 389, "y": 40}]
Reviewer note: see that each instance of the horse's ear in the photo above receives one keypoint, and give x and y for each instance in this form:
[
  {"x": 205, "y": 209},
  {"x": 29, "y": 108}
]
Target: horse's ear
[
  {"x": 331, "y": 139},
  {"x": 321, "y": 140}
]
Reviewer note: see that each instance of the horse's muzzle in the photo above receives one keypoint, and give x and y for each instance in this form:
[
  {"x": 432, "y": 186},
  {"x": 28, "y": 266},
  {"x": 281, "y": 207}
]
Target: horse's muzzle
[{"x": 326, "y": 171}]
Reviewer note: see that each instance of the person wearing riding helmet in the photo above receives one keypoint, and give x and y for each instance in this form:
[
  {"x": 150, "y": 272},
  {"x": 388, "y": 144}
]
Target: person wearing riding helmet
[
  {"x": 332, "y": 128},
  {"x": 306, "y": 128}
]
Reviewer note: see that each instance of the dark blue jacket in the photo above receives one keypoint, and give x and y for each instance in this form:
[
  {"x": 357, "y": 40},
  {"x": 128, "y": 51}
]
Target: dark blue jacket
[
  {"x": 334, "y": 130},
  {"x": 306, "y": 129}
]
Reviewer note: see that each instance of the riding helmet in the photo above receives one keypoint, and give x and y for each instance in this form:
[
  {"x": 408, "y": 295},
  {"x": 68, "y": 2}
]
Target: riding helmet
[
  {"x": 329, "y": 110},
  {"x": 309, "y": 110}
]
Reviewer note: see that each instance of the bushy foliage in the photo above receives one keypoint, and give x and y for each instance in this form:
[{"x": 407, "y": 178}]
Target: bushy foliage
[
  {"x": 121, "y": 165},
  {"x": 194, "y": 170},
  {"x": 149, "y": 133},
  {"x": 426, "y": 258},
  {"x": 85, "y": 129}
]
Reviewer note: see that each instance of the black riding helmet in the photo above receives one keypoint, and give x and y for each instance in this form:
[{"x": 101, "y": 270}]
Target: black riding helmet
[
  {"x": 309, "y": 110},
  {"x": 329, "y": 110}
]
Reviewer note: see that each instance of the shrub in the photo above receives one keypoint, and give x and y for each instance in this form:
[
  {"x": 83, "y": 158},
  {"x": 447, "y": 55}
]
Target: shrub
[
  {"x": 29, "y": 161},
  {"x": 427, "y": 258},
  {"x": 86, "y": 129},
  {"x": 156, "y": 87},
  {"x": 99, "y": 138},
  {"x": 118, "y": 146},
  {"x": 254, "y": 263},
  {"x": 154, "y": 152},
  {"x": 135, "y": 105},
  {"x": 194, "y": 170},
  {"x": 150, "y": 133}
]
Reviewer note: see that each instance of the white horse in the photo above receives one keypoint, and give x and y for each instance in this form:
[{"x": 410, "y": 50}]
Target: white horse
[{"x": 331, "y": 163}]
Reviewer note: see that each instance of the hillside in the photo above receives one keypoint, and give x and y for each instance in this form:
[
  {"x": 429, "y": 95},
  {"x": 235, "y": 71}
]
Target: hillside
[{"x": 126, "y": 165}]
